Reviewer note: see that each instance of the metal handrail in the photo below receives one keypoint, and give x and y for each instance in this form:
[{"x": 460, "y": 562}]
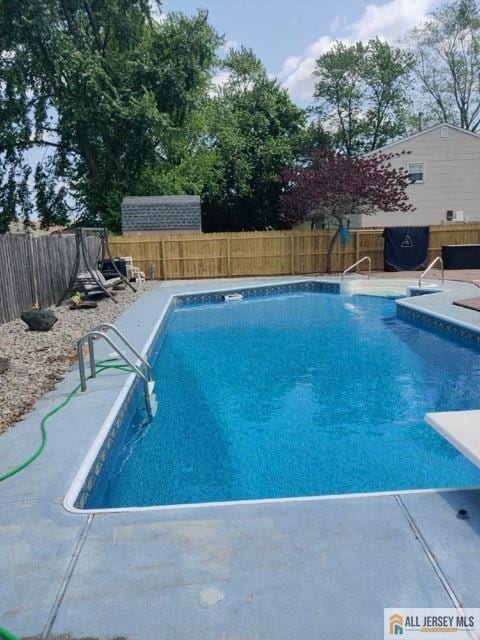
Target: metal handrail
[
  {"x": 112, "y": 327},
  {"x": 81, "y": 364},
  {"x": 356, "y": 265},
  {"x": 430, "y": 266}
]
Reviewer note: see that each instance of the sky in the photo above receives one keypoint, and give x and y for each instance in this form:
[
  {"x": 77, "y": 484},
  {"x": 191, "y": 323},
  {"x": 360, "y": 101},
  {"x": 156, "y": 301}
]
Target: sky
[{"x": 289, "y": 36}]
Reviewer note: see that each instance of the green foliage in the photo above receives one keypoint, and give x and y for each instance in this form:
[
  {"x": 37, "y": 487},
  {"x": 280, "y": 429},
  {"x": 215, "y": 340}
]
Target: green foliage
[
  {"x": 109, "y": 101},
  {"x": 362, "y": 94},
  {"x": 51, "y": 204},
  {"x": 232, "y": 148},
  {"x": 447, "y": 52},
  {"x": 104, "y": 87},
  {"x": 254, "y": 130}
]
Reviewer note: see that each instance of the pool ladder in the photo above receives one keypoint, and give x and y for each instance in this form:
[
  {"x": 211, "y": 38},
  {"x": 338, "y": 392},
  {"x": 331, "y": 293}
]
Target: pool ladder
[
  {"x": 98, "y": 331},
  {"x": 356, "y": 264},
  {"x": 430, "y": 267}
]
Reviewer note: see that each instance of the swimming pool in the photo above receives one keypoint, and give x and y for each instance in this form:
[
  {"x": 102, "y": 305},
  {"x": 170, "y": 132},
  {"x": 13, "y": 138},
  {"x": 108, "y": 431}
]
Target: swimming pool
[{"x": 299, "y": 394}]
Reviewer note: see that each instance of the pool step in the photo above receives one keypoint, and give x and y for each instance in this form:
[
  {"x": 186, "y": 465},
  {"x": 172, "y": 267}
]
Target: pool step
[
  {"x": 153, "y": 404},
  {"x": 384, "y": 288},
  {"x": 152, "y": 397}
]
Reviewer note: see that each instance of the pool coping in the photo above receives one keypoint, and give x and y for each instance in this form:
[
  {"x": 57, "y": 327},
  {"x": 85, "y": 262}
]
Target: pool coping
[{"x": 121, "y": 401}]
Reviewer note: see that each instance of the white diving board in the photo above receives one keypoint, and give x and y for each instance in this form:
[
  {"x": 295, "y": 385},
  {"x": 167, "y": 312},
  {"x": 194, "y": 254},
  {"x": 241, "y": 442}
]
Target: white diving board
[{"x": 461, "y": 429}]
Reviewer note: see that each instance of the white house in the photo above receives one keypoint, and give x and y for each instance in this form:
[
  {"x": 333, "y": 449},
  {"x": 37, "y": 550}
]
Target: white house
[{"x": 444, "y": 163}]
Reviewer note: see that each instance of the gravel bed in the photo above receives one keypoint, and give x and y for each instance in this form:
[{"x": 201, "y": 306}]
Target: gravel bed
[{"x": 39, "y": 359}]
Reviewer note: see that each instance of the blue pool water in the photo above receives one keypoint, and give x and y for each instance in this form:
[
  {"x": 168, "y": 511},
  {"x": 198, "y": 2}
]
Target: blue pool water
[{"x": 292, "y": 395}]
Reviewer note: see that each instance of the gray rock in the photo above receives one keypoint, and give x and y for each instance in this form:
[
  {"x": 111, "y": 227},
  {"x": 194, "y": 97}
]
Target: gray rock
[
  {"x": 36, "y": 357},
  {"x": 4, "y": 364},
  {"x": 39, "y": 319}
]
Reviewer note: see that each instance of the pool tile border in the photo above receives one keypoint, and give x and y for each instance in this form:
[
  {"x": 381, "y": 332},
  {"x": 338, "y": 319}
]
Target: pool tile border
[
  {"x": 254, "y": 292},
  {"x": 103, "y": 453},
  {"x": 437, "y": 324}
]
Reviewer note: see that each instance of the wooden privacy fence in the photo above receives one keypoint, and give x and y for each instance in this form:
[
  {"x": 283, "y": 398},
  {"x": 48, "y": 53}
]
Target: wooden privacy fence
[
  {"x": 35, "y": 270},
  {"x": 297, "y": 252}
]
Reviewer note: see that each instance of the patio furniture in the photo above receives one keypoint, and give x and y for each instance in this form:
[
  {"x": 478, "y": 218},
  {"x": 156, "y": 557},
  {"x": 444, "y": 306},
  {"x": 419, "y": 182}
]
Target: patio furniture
[
  {"x": 461, "y": 256},
  {"x": 132, "y": 272},
  {"x": 84, "y": 274},
  {"x": 94, "y": 283}
]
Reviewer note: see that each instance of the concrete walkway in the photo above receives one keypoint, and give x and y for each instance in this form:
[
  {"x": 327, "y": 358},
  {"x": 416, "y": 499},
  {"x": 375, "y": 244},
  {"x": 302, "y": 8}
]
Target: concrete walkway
[
  {"x": 460, "y": 275},
  {"x": 321, "y": 568}
]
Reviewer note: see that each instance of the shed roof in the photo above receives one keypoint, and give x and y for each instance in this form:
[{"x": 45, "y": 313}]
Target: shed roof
[
  {"x": 161, "y": 213},
  {"x": 149, "y": 200}
]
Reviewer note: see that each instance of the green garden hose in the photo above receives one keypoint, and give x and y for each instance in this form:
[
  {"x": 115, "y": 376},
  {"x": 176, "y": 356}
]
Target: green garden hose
[
  {"x": 102, "y": 366},
  {"x": 6, "y": 635}
]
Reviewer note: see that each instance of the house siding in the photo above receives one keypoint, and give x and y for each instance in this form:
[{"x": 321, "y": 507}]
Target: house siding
[{"x": 452, "y": 179}]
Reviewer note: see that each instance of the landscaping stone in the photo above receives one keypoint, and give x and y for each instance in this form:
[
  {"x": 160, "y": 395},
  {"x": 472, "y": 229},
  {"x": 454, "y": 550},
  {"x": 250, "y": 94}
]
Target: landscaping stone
[
  {"x": 4, "y": 364},
  {"x": 39, "y": 319},
  {"x": 37, "y": 356}
]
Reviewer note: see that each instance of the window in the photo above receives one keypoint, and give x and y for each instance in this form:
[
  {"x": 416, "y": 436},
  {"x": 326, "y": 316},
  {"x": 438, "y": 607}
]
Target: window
[{"x": 416, "y": 172}]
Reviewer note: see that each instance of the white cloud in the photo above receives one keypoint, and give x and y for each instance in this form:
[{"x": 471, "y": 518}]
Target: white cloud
[
  {"x": 338, "y": 23},
  {"x": 290, "y": 65},
  {"x": 296, "y": 73},
  {"x": 157, "y": 12},
  {"x": 388, "y": 21},
  {"x": 218, "y": 81},
  {"x": 391, "y": 20}
]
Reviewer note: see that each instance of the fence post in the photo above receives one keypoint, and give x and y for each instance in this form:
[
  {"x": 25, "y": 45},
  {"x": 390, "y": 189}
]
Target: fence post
[
  {"x": 357, "y": 245},
  {"x": 164, "y": 260},
  {"x": 229, "y": 265},
  {"x": 292, "y": 255},
  {"x": 31, "y": 269}
]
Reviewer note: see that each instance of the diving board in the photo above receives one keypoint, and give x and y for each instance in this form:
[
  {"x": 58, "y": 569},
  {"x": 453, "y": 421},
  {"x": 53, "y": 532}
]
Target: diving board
[{"x": 461, "y": 429}]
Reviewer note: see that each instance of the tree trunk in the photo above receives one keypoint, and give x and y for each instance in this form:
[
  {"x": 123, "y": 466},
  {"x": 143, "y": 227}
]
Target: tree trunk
[{"x": 333, "y": 241}]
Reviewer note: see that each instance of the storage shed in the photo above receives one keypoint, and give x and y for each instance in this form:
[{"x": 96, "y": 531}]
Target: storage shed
[{"x": 161, "y": 214}]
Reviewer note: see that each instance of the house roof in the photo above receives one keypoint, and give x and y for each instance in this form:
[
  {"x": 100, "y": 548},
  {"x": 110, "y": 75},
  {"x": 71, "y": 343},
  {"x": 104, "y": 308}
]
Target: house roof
[{"x": 421, "y": 133}]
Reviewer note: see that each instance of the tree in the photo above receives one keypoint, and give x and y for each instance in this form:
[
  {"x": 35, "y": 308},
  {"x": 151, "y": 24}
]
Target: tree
[
  {"x": 51, "y": 202},
  {"x": 362, "y": 91},
  {"x": 254, "y": 129},
  {"x": 336, "y": 186},
  {"x": 232, "y": 147},
  {"x": 447, "y": 49},
  {"x": 104, "y": 87}
]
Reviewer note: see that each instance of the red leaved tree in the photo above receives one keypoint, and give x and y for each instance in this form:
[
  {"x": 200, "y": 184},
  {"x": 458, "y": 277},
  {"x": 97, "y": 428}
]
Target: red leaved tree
[{"x": 335, "y": 186}]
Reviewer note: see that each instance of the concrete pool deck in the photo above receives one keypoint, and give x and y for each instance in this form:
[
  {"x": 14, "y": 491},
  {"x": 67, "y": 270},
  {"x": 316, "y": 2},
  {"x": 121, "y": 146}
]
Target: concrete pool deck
[{"x": 322, "y": 568}]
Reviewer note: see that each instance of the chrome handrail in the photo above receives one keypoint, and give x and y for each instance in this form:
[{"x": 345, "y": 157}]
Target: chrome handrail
[
  {"x": 430, "y": 266},
  {"x": 89, "y": 337},
  {"x": 356, "y": 265},
  {"x": 112, "y": 327}
]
